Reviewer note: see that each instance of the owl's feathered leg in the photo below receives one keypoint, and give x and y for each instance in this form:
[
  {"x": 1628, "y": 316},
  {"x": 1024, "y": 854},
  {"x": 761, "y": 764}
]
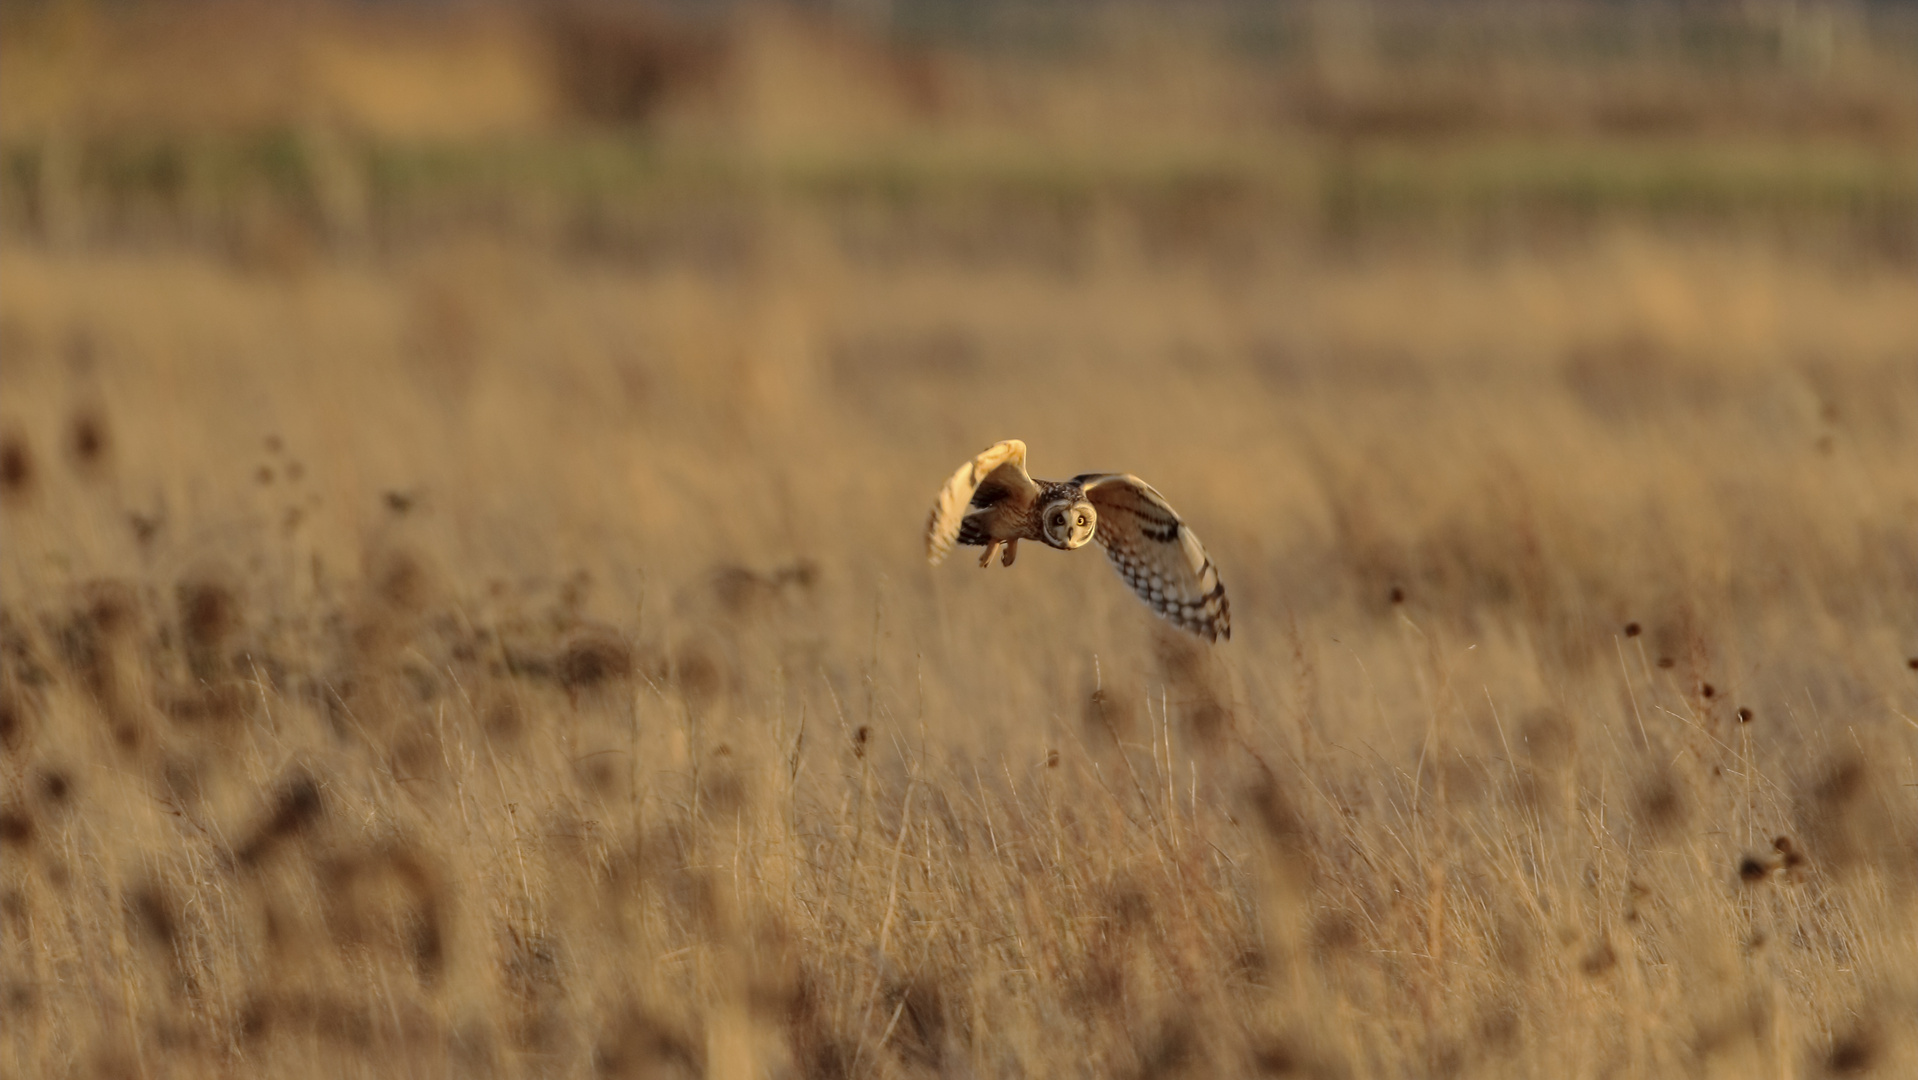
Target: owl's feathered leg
[
  {"x": 992, "y": 548},
  {"x": 1012, "y": 552}
]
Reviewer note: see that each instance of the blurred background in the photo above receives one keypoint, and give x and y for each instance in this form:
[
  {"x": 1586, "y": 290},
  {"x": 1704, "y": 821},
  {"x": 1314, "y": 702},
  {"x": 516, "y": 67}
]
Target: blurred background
[
  {"x": 529, "y": 260},
  {"x": 525, "y": 415}
]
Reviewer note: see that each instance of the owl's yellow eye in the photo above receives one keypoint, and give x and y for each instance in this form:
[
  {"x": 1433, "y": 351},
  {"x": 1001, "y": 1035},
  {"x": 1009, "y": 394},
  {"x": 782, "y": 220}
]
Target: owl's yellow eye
[
  {"x": 1058, "y": 519},
  {"x": 1082, "y": 519}
]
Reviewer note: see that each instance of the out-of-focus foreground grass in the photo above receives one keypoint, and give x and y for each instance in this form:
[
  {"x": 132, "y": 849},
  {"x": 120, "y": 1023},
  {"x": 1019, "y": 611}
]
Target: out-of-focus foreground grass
[{"x": 464, "y": 611}]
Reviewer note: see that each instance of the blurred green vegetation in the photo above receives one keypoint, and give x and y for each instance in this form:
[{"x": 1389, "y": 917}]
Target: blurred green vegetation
[{"x": 1336, "y": 118}]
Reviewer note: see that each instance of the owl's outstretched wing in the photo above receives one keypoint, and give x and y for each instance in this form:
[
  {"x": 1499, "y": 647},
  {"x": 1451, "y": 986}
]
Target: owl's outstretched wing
[
  {"x": 1158, "y": 555},
  {"x": 989, "y": 484}
]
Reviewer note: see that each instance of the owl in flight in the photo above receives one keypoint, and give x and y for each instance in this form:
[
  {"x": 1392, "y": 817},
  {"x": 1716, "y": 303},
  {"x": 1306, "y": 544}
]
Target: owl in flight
[{"x": 992, "y": 502}]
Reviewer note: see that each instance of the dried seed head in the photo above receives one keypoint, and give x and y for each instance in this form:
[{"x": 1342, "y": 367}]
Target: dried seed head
[
  {"x": 1127, "y": 906},
  {"x": 145, "y": 528},
  {"x": 209, "y": 610},
  {"x": 112, "y": 607},
  {"x": 56, "y": 786},
  {"x": 1109, "y": 715},
  {"x": 16, "y": 466},
  {"x": 599, "y": 773},
  {"x": 1600, "y": 959},
  {"x": 637, "y": 1044},
  {"x": 1632, "y": 629},
  {"x": 1752, "y": 870},
  {"x": 1274, "y": 810},
  {"x": 1547, "y": 739},
  {"x": 1206, "y": 717},
  {"x": 1662, "y": 804},
  {"x": 1853, "y": 1053},
  {"x": 1276, "y": 1055},
  {"x": 722, "y": 790},
  {"x": 1171, "y": 1050},
  {"x": 390, "y": 896},
  {"x": 594, "y": 657},
  {"x": 801, "y": 572},
  {"x": 1744, "y": 715},
  {"x": 505, "y": 720},
  {"x": 156, "y": 915},
  {"x": 697, "y": 674},
  {"x": 297, "y": 806},
  {"x": 1789, "y": 857},
  {"x": 89, "y": 440},
  {"x": 739, "y": 589},
  {"x": 1843, "y": 780},
  {"x": 16, "y": 827},
  {"x": 16, "y": 723},
  {"x": 1182, "y": 660},
  {"x": 400, "y": 579},
  {"x": 1499, "y": 1026},
  {"x": 1334, "y": 932}
]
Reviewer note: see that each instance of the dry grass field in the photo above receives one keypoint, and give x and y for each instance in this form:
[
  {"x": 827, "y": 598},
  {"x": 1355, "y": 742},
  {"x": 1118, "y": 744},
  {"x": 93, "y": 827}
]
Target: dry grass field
[{"x": 463, "y": 609}]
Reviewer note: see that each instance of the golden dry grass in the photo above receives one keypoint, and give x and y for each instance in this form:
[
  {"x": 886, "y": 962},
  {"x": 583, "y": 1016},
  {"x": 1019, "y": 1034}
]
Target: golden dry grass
[{"x": 451, "y": 650}]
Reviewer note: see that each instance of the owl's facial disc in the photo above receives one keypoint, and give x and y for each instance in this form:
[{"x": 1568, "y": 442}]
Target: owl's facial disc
[{"x": 1068, "y": 524}]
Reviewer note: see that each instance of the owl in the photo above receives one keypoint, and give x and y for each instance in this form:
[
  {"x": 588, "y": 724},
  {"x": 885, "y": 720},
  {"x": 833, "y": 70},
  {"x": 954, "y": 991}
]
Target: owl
[{"x": 992, "y": 502}]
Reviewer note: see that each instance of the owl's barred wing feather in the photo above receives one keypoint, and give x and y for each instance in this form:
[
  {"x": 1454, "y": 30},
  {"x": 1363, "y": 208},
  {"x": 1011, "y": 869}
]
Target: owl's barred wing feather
[
  {"x": 1000, "y": 471},
  {"x": 1158, "y": 555}
]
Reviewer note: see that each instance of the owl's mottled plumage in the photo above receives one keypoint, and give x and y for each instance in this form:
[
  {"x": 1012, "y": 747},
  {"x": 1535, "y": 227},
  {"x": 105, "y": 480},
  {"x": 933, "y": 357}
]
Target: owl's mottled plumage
[{"x": 992, "y": 502}]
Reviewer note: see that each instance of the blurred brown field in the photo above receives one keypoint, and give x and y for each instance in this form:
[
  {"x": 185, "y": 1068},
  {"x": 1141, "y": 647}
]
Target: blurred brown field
[{"x": 463, "y": 469}]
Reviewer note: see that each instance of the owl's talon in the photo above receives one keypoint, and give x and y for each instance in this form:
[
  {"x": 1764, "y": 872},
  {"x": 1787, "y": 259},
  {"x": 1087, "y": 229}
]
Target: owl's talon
[
  {"x": 992, "y": 549},
  {"x": 1012, "y": 552}
]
